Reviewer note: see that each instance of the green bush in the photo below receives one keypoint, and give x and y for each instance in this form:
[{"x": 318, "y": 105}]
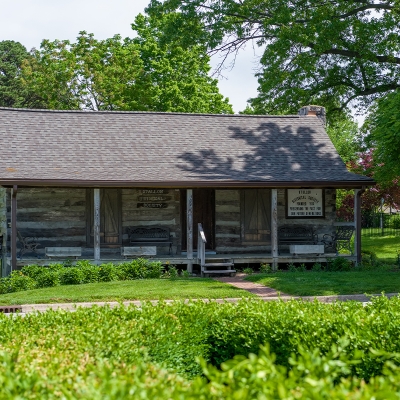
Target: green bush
[
  {"x": 108, "y": 272},
  {"x": 265, "y": 268},
  {"x": 72, "y": 276},
  {"x": 248, "y": 271},
  {"x": 48, "y": 278},
  {"x": 268, "y": 350},
  {"x": 32, "y": 271},
  {"x": 16, "y": 282},
  {"x": 339, "y": 264}
]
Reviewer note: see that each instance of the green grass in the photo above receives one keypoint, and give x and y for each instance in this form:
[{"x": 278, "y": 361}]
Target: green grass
[
  {"x": 146, "y": 289},
  {"x": 330, "y": 283},
  {"x": 385, "y": 247}
]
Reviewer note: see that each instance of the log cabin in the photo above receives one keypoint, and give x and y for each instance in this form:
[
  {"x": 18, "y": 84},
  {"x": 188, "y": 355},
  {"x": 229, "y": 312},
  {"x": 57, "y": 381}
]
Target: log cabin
[{"x": 117, "y": 184}]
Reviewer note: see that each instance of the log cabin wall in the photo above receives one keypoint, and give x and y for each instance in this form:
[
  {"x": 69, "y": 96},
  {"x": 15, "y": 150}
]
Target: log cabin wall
[
  {"x": 228, "y": 220},
  {"x": 55, "y": 216},
  {"x": 138, "y": 209},
  {"x": 320, "y": 225}
]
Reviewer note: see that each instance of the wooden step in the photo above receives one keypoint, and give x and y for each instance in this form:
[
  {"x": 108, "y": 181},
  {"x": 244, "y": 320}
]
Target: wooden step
[
  {"x": 217, "y": 265},
  {"x": 222, "y": 271}
]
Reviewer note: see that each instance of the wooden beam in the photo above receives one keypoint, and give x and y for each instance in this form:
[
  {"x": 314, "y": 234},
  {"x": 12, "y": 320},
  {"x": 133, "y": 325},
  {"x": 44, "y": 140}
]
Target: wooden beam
[
  {"x": 357, "y": 224},
  {"x": 14, "y": 228},
  {"x": 189, "y": 229},
  {"x": 96, "y": 224},
  {"x": 274, "y": 228}
]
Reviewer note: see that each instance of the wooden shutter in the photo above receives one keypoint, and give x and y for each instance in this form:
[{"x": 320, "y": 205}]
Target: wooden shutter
[{"x": 256, "y": 215}]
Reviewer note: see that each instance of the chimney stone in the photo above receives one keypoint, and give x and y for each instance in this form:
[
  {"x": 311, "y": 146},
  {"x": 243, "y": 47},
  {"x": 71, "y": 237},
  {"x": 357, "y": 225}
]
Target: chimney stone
[{"x": 314, "y": 111}]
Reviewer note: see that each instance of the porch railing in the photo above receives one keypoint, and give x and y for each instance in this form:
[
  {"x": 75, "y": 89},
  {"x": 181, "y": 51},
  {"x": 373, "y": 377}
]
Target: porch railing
[{"x": 201, "y": 245}]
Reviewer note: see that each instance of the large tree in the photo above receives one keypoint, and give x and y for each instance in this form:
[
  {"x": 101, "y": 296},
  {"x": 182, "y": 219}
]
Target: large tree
[
  {"x": 131, "y": 74},
  {"x": 383, "y": 125},
  {"x": 89, "y": 74},
  {"x": 337, "y": 53},
  {"x": 12, "y": 92}
]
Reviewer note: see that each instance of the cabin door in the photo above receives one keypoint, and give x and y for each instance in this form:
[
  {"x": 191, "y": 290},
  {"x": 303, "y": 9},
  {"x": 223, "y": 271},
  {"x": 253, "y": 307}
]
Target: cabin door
[
  {"x": 256, "y": 215},
  {"x": 203, "y": 212},
  {"x": 110, "y": 218}
]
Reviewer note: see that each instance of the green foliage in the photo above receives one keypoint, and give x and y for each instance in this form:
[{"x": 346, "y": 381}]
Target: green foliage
[
  {"x": 265, "y": 268},
  {"x": 368, "y": 258},
  {"x": 330, "y": 53},
  {"x": 248, "y": 271},
  {"x": 317, "y": 267},
  {"x": 339, "y": 264},
  {"x": 292, "y": 267},
  {"x": 16, "y": 282},
  {"x": 109, "y": 272},
  {"x": 48, "y": 278},
  {"x": 12, "y": 91},
  {"x": 72, "y": 276},
  {"x": 383, "y": 124},
  {"x": 282, "y": 350},
  {"x": 141, "y": 74}
]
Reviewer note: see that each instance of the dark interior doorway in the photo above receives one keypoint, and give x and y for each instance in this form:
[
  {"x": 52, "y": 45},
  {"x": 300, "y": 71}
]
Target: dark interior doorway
[{"x": 203, "y": 212}]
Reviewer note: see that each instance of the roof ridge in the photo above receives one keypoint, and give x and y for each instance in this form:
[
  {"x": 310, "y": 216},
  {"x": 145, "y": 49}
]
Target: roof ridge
[{"x": 146, "y": 113}]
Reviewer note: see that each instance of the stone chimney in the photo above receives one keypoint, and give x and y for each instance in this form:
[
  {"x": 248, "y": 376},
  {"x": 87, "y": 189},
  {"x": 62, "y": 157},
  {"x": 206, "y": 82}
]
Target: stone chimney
[{"x": 314, "y": 111}]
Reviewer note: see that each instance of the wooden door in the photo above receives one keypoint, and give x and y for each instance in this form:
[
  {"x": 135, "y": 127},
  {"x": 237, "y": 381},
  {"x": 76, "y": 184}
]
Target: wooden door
[
  {"x": 203, "y": 212},
  {"x": 110, "y": 218},
  {"x": 256, "y": 215}
]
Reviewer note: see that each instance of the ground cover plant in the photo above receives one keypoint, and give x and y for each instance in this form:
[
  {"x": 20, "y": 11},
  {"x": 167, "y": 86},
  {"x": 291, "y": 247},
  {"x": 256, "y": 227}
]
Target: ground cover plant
[
  {"x": 267, "y": 350},
  {"x": 144, "y": 289}
]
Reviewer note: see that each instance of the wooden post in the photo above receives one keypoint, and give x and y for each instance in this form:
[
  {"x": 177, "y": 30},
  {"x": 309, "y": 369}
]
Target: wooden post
[
  {"x": 14, "y": 228},
  {"x": 189, "y": 233},
  {"x": 274, "y": 228},
  {"x": 96, "y": 224},
  {"x": 357, "y": 224}
]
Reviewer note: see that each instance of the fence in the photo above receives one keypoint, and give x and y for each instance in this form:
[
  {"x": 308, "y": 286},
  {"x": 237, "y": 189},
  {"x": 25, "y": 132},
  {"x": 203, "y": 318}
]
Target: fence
[{"x": 380, "y": 224}]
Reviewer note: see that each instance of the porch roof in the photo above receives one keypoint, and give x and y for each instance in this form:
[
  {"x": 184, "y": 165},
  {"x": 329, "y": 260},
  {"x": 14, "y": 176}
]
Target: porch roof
[{"x": 76, "y": 148}]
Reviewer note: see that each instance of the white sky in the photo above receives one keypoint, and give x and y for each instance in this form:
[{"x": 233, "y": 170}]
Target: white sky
[{"x": 31, "y": 21}]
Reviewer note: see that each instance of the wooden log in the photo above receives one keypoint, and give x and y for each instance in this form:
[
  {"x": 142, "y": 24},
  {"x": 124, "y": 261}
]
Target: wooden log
[{"x": 96, "y": 223}]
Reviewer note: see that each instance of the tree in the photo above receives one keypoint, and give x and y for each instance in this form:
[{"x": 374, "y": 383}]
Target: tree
[
  {"x": 12, "y": 92},
  {"x": 345, "y": 136},
  {"x": 383, "y": 124},
  {"x": 132, "y": 74},
  {"x": 337, "y": 53},
  {"x": 179, "y": 75},
  {"x": 88, "y": 74}
]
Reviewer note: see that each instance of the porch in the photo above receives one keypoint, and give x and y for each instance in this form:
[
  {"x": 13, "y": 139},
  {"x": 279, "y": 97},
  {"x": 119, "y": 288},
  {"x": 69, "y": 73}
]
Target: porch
[{"x": 241, "y": 226}]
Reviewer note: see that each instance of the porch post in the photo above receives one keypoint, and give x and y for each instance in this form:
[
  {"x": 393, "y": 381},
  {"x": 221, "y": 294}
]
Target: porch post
[
  {"x": 14, "y": 228},
  {"x": 96, "y": 224},
  {"x": 274, "y": 228},
  {"x": 189, "y": 232},
  {"x": 357, "y": 224}
]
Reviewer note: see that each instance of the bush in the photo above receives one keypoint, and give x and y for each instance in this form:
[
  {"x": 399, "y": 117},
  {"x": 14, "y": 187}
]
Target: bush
[
  {"x": 32, "y": 271},
  {"x": 71, "y": 276},
  {"x": 16, "y": 282},
  {"x": 248, "y": 271},
  {"x": 48, "y": 278},
  {"x": 317, "y": 267},
  {"x": 265, "y": 268},
  {"x": 108, "y": 272},
  {"x": 339, "y": 264},
  {"x": 90, "y": 272}
]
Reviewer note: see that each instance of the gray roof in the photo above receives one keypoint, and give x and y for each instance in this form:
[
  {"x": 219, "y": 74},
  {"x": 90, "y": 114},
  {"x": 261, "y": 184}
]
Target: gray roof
[{"x": 41, "y": 147}]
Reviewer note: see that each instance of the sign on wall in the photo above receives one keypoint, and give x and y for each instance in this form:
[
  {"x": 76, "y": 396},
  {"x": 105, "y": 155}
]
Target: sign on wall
[{"x": 305, "y": 203}]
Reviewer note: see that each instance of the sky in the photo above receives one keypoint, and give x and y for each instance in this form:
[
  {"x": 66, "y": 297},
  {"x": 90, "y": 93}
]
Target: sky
[{"x": 31, "y": 21}]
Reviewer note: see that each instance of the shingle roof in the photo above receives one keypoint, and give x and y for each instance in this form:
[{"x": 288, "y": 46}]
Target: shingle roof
[{"x": 141, "y": 148}]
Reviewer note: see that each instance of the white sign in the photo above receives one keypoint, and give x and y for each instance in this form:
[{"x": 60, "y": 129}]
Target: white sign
[{"x": 305, "y": 203}]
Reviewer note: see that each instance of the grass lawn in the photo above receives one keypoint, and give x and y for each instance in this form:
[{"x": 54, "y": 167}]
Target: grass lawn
[
  {"x": 385, "y": 247},
  {"x": 330, "y": 283},
  {"x": 146, "y": 289}
]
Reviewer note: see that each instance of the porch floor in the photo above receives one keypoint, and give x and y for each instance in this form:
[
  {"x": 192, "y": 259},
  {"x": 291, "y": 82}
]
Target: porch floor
[{"x": 175, "y": 259}]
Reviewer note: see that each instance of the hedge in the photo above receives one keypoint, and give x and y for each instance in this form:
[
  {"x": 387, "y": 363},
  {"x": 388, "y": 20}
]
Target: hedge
[{"x": 248, "y": 350}]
